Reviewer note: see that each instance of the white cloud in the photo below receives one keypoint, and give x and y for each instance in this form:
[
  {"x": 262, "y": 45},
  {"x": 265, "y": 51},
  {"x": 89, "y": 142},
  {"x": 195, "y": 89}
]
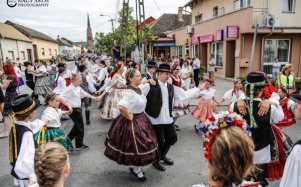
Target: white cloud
[{"x": 69, "y": 17}]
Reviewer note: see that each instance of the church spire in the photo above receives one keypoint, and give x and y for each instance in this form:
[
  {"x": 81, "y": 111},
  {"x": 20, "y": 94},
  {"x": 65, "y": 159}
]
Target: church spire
[{"x": 88, "y": 22}]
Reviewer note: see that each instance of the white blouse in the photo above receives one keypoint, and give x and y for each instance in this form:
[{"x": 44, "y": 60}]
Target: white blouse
[
  {"x": 43, "y": 71},
  {"x": 207, "y": 93},
  {"x": 93, "y": 69},
  {"x": 18, "y": 72},
  {"x": 53, "y": 115},
  {"x": 232, "y": 97},
  {"x": 134, "y": 102},
  {"x": 67, "y": 74},
  {"x": 61, "y": 85},
  {"x": 186, "y": 71}
]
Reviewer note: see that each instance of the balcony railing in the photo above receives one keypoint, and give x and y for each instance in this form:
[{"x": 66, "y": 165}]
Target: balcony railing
[{"x": 260, "y": 16}]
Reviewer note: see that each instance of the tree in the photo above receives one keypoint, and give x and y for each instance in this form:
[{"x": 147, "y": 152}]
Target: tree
[{"x": 104, "y": 42}]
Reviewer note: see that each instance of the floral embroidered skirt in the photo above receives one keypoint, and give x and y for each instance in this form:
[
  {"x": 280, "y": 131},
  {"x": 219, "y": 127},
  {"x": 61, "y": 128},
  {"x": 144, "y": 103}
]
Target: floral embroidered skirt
[
  {"x": 204, "y": 109},
  {"x": 132, "y": 142},
  {"x": 110, "y": 108},
  {"x": 180, "y": 108},
  {"x": 43, "y": 85},
  {"x": 53, "y": 135}
]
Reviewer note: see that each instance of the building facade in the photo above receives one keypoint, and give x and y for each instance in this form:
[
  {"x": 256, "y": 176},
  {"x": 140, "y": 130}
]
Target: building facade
[
  {"x": 15, "y": 44},
  {"x": 225, "y": 28},
  {"x": 44, "y": 47}
]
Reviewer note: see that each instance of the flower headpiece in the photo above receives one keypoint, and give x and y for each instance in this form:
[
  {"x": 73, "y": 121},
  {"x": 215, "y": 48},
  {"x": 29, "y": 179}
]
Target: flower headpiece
[{"x": 218, "y": 121}]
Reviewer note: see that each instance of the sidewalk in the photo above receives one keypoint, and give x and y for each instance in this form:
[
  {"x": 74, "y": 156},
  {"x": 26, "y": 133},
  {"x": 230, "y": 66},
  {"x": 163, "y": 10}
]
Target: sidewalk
[{"x": 221, "y": 87}]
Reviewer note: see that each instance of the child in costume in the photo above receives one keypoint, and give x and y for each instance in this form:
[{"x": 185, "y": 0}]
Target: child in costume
[
  {"x": 287, "y": 105},
  {"x": 226, "y": 137},
  {"x": 205, "y": 107},
  {"x": 272, "y": 146},
  {"x": 22, "y": 144},
  {"x": 53, "y": 132},
  {"x": 233, "y": 94},
  {"x": 19, "y": 74}
]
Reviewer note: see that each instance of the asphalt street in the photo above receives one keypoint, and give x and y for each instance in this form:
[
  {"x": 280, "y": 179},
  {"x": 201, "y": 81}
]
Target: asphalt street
[{"x": 91, "y": 168}]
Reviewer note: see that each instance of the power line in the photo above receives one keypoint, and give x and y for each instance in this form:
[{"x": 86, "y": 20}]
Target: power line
[{"x": 158, "y": 7}]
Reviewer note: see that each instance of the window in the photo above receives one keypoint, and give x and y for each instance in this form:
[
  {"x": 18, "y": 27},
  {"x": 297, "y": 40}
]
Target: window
[
  {"x": 187, "y": 50},
  {"x": 11, "y": 55},
  {"x": 43, "y": 52},
  {"x": 276, "y": 48},
  {"x": 241, "y": 3},
  {"x": 215, "y": 11},
  {"x": 217, "y": 51},
  {"x": 195, "y": 50},
  {"x": 55, "y": 52},
  {"x": 288, "y": 6},
  {"x": 179, "y": 50},
  {"x": 49, "y": 51},
  {"x": 22, "y": 55},
  {"x": 199, "y": 18}
]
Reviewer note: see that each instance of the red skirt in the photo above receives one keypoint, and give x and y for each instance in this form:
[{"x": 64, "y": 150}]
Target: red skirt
[
  {"x": 132, "y": 142},
  {"x": 68, "y": 81},
  {"x": 283, "y": 146},
  {"x": 289, "y": 119}
]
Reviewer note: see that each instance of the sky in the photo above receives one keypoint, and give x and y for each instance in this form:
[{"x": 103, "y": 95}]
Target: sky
[{"x": 68, "y": 18}]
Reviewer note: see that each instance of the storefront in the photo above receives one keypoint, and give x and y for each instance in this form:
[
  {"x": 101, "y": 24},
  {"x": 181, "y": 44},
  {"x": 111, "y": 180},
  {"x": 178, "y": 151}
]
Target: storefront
[
  {"x": 163, "y": 45},
  {"x": 195, "y": 45}
]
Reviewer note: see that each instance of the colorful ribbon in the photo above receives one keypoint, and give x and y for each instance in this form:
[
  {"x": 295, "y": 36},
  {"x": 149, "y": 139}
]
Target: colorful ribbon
[
  {"x": 11, "y": 156},
  {"x": 42, "y": 131}
]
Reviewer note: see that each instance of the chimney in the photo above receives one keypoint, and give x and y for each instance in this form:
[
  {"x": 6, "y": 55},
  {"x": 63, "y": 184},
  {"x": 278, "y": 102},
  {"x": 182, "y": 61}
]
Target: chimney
[
  {"x": 180, "y": 13},
  {"x": 58, "y": 36}
]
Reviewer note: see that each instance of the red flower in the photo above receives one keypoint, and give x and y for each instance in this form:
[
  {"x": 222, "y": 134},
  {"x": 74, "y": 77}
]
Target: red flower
[{"x": 212, "y": 118}]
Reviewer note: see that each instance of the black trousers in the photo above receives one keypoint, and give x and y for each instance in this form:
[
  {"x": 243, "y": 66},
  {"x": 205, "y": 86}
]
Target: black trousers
[
  {"x": 167, "y": 136},
  {"x": 85, "y": 100},
  {"x": 196, "y": 77},
  {"x": 77, "y": 130},
  {"x": 31, "y": 84}
]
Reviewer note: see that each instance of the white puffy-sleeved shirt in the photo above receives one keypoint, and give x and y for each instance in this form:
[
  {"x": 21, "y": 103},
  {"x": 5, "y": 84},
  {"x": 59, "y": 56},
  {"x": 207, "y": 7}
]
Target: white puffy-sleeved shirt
[
  {"x": 124, "y": 71},
  {"x": 68, "y": 74},
  {"x": 177, "y": 79},
  {"x": 179, "y": 93},
  {"x": 132, "y": 101},
  {"x": 292, "y": 171},
  {"x": 290, "y": 104},
  {"x": 103, "y": 74},
  {"x": 232, "y": 95},
  {"x": 53, "y": 115},
  {"x": 18, "y": 71},
  {"x": 207, "y": 93},
  {"x": 73, "y": 94},
  {"x": 263, "y": 156},
  {"x": 60, "y": 85},
  {"x": 24, "y": 167},
  {"x": 42, "y": 70}
]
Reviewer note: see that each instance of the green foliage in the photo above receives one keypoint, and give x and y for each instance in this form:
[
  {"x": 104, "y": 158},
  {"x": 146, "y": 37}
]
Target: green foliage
[
  {"x": 103, "y": 42},
  {"x": 201, "y": 73},
  {"x": 242, "y": 78},
  {"x": 89, "y": 51}
]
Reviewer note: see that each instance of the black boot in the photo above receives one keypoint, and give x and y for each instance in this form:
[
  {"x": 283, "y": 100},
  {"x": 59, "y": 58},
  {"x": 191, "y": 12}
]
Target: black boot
[{"x": 88, "y": 117}]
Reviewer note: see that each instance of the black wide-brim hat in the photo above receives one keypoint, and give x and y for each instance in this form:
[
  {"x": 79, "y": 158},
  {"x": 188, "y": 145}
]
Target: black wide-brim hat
[
  {"x": 26, "y": 63},
  {"x": 61, "y": 65},
  {"x": 151, "y": 64},
  {"x": 296, "y": 96},
  {"x": 24, "y": 105},
  {"x": 164, "y": 68},
  {"x": 257, "y": 79}
]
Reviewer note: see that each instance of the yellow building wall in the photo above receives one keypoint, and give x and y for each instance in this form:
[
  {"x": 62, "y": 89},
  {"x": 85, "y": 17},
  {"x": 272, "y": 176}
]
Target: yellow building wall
[{"x": 46, "y": 45}]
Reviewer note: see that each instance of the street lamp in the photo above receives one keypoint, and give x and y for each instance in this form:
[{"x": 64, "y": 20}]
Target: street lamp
[{"x": 109, "y": 20}]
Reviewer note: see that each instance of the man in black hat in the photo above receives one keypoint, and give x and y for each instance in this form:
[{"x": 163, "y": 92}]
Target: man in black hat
[
  {"x": 159, "y": 111},
  {"x": 262, "y": 132},
  {"x": 30, "y": 79},
  {"x": 88, "y": 86},
  {"x": 151, "y": 70},
  {"x": 22, "y": 145}
]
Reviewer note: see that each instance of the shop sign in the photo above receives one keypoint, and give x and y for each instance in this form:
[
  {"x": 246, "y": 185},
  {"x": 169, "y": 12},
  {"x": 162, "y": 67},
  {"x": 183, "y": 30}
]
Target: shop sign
[
  {"x": 219, "y": 35},
  {"x": 206, "y": 38},
  {"x": 185, "y": 41},
  {"x": 164, "y": 44},
  {"x": 195, "y": 39},
  {"x": 232, "y": 31}
]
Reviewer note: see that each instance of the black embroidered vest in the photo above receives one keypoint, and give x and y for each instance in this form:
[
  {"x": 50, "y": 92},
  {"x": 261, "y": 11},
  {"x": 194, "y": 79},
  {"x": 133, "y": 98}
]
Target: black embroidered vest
[
  {"x": 84, "y": 84},
  {"x": 154, "y": 100},
  {"x": 20, "y": 130},
  {"x": 263, "y": 135},
  {"x": 148, "y": 76}
]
